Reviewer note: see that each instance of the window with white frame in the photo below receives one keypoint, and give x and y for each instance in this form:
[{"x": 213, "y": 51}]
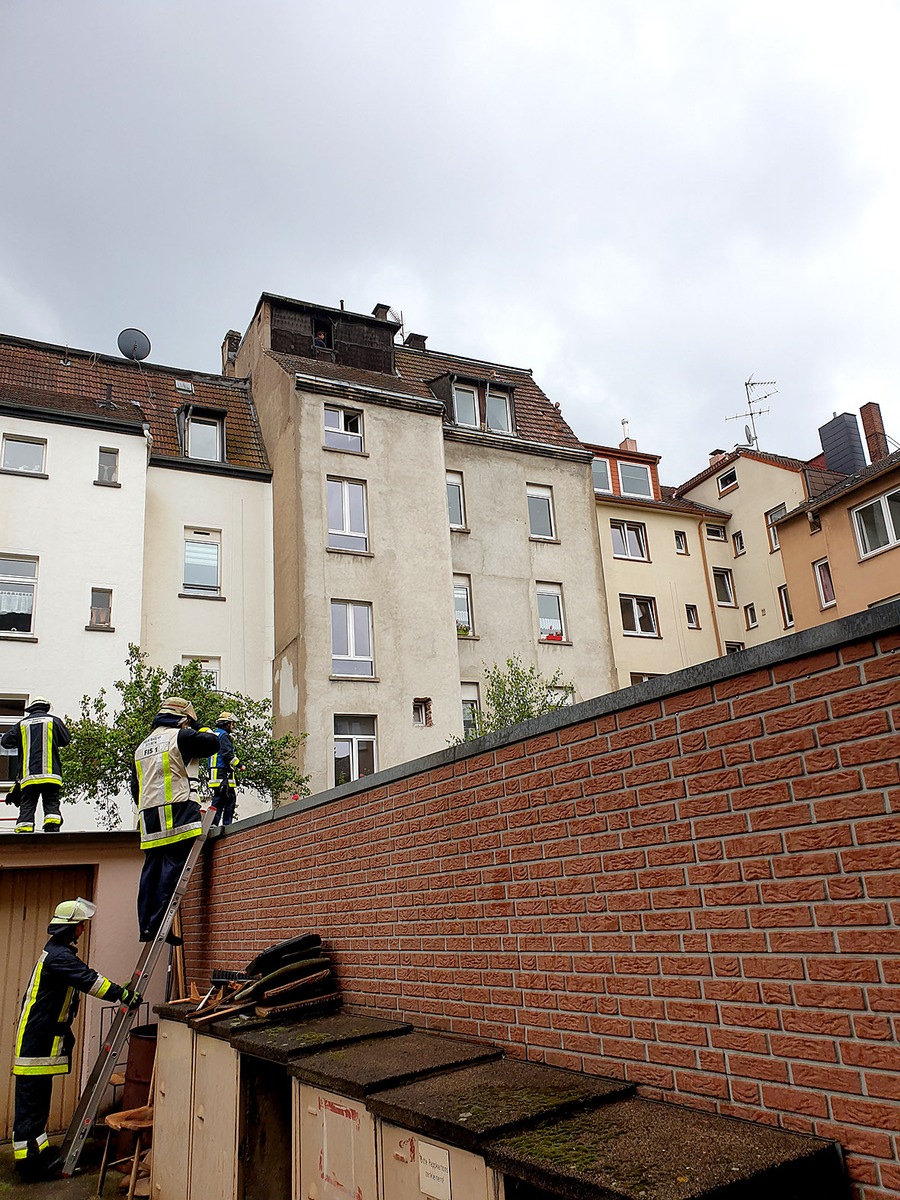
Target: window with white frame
[
  {"x": 681, "y": 542},
  {"x": 642, "y": 677},
  {"x": 204, "y": 438},
  {"x": 750, "y": 618},
  {"x": 347, "y": 524},
  {"x": 470, "y": 705},
  {"x": 108, "y": 465},
  {"x": 465, "y": 405},
  {"x": 723, "y": 581},
  {"x": 551, "y": 626},
  {"x": 773, "y": 515},
  {"x": 12, "y": 710},
  {"x": 824, "y": 583},
  {"x": 18, "y": 584},
  {"x": 727, "y": 482},
  {"x": 692, "y": 615},
  {"x": 499, "y": 411},
  {"x": 540, "y": 512},
  {"x": 877, "y": 523},
  {"x": 784, "y": 600},
  {"x": 634, "y": 480},
  {"x": 421, "y": 712},
  {"x": 101, "y": 608},
  {"x": 211, "y": 666},
  {"x": 202, "y": 562},
  {"x": 600, "y": 475},
  {"x": 737, "y": 541},
  {"x": 560, "y": 697},
  {"x": 351, "y": 639},
  {"x": 23, "y": 454},
  {"x": 734, "y": 647},
  {"x": 629, "y": 539},
  {"x": 639, "y": 617},
  {"x": 343, "y": 429},
  {"x": 355, "y": 748},
  {"x": 462, "y": 605},
  {"x": 456, "y": 500},
  {"x": 715, "y": 533}
]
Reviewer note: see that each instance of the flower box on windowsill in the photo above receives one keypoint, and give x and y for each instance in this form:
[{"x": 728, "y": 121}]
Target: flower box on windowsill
[
  {"x": 552, "y": 637},
  {"x": 463, "y": 630}
]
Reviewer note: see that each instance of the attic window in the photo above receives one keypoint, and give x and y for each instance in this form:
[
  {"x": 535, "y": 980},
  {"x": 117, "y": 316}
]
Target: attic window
[
  {"x": 727, "y": 482},
  {"x": 184, "y": 385},
  {"x": 204, "y": 438}
]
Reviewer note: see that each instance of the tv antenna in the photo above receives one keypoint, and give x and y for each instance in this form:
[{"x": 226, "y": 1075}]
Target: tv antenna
[
  {"x": 133, "y": 344},
  {"x": 753, "y": 409}
]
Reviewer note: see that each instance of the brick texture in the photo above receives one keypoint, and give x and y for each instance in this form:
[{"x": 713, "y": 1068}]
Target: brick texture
[{"x": 678, "y": 893}]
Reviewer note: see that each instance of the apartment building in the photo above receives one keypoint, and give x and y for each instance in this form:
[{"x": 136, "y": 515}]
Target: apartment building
[
  {"x": 135, "y": 507},
  {"x": 433, "y": 514}
]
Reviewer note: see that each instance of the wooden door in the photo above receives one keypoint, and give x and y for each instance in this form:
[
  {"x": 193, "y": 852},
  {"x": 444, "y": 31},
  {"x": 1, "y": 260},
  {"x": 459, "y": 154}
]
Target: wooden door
[
  {"x": 214, "y": 1113},
  {"x": 172, "y": 1111}
]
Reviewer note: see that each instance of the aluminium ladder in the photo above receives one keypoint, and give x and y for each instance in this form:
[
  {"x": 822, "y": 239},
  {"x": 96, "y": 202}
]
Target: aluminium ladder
[{"x": 85, "y": 1113}]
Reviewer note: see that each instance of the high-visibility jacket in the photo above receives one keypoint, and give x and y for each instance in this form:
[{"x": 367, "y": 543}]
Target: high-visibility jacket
[
  {"x": 222, "y": 765},
  {"x": 38, "y": 738},
  {"x": 162, "y": 783},
  {"x": 44, "y": 1037}
]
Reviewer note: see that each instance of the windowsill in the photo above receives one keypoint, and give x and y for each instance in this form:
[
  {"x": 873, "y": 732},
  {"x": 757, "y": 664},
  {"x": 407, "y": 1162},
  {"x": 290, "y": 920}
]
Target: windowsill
[
  {"x": 833, "y": 604},
  {"x": 467, "y": 637},
  {"x": 105, "y": 483},
  {"x": 683, "y": 553},
  {"x": 355, "y": 553},
  {"x": 554, "y": 642},
  {"x": 101, "y": 628},
  {"x": 651, "y": 637},
  {"x": 695, "y": 627},
  {"x": 720, "y": 604},
  {"x": 355, "y": 678},
  {"x": 460, "y": 529},
  {"x": 732, "y": 487},
  {"x": 198, "y": 596},
  {"x": 345, "y": 450},
  {"x": 881, "y": 550},
  {"x": 550, "y": 541},
  {"x": 17, "y": 637},
  {"x": 25, "y": 474},
  {"x": 739, "y": 553},
  {"x": 630, "y": 558}
]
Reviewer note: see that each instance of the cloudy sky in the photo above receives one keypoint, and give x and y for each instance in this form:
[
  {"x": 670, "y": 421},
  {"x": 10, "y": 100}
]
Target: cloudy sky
[{"x": 646, "y": 201}]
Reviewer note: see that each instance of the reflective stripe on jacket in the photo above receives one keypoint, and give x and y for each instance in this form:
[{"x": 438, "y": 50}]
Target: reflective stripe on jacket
[
  {"x": 167, "y": 812},
  {"x": 223, "y": 764},
  {"x": 39, "y": 750}
]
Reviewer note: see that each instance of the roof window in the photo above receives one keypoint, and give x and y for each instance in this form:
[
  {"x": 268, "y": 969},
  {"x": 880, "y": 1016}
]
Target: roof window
[{"x": 184, "y": 385}]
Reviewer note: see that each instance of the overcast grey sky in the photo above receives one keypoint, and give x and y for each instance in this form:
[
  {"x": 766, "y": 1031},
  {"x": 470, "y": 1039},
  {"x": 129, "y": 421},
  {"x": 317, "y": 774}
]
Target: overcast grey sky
[{"x": 646, "y": 201}]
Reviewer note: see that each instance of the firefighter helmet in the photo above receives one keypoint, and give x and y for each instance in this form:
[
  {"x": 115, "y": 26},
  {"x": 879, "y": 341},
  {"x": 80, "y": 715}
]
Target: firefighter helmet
[
  {"x": 225, "y": 716},
  {"x": 73, "y": 912},
  {"x": 38, "y": 702},
  {"x": 177, "y": 706}
]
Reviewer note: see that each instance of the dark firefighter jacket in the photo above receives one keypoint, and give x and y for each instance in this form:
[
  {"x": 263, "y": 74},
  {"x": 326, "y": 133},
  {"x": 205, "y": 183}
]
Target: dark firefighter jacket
[
  {"x": 222, "y": 765},
  {"x": 37, "y": 738},
  {"x": 44, "y": 1037},
  {"x": 165, "y": 768}
]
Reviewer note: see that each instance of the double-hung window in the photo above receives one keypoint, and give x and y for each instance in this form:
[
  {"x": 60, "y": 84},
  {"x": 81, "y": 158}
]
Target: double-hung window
[
  {"x": 465, "y": 405},
  {"x": 18, "y": 582},
  {"x": 202, "y": 562},
  {"x": 629, "y": 539},
  {"x": 456, "y": 500},
  {"x": 723, "y": 581},
  {"x": 877, "y": 523},
  {"x": 204, "y": 438},
  {"x": 23, "y": 454},
  {"x": 634, "y": 480},
  {"x": 824, "y": 583},
  {"x": 551, "y": 624},
  {"x": 347, "y": 525},
  {"x": 343, "y": 429},
  {"x": 107, "y": 466},
  {"x": 462, "y": 605},
  {"x": 639, "y": 616},
  {"x": 773, "y": 515},
  {"x": 351, "y": 639},
  {"x": 354, "y": 748},
  {"x": 12, "y": 710},
  {"x": 540, "y": 512}
]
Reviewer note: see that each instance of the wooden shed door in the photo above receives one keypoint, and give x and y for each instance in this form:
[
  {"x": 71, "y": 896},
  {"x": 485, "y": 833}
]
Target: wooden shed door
[{"x": 27, "y": 900}]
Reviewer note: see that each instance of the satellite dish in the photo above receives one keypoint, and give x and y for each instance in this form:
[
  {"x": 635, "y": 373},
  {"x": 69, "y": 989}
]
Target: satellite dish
[
  {"x": 133, "y": 344},
  {"x": 748, "y": 435}
]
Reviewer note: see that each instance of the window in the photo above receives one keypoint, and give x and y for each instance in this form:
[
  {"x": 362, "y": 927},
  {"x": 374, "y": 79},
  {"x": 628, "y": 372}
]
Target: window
[
  {"x": 469, "y": 692},
  {"x": 347, "y": 527},
  {"x": 108, "y": 466},
  {"x": 204, "y": 438},
  {"x": 692, "y": 614},
  {"x": 641, "y": 677},
  {"x": 727, "y": 482},
  {"x": 750, "y": 618},
  {"x": 101, "y": 609},
  {"x": 600, "y": 475},
  {"x": 734, "y": 647},
  {"x": 343, "y": 429},
  {"x": 17, "y": 586},
  {"x": 737, "y": 541},
  {"x": 23, "y": 454},
  {"x": 456, "y": 502},
  {"x": 540, "y": 511},
  {"x": 201, "y": 562},
  {"x": 784, "y": 599},
  {"x": 12, "y": 710},
  {"x": 634, "y": 479},
  {"x": 824, "y": 583},
  {"x": 715, "y": 533},
  {"x": 629, "y": 539},
  {"x": 499, "y": 411},
  {"x": 550, "y": 612},
  {"x": 465, "y": 406},
  {"x": 681, "y": 542},
  {"x": 210, "y": 666},
  {"x": 184, "y": 385},
  {"x": 421, "y": 711},
  {"x": 560, "y": 697},
  {"x": 354, "y": 748},
  {"x": 462, "y": 604},
  {"x": 639, "y": 616},
  {"x": 878, "y": 523},
  {"x": 724, "y": 584},
  {"x": 772, "y": 516},
  {"x": 351, "y": 639}
]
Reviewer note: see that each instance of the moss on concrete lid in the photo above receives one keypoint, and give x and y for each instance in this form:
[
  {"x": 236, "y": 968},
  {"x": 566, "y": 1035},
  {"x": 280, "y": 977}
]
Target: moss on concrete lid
[{"x": 282, "y": 1042}]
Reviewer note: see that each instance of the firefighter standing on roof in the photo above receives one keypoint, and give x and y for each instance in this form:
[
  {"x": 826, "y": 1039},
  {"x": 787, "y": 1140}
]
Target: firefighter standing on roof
[
  {"x": 222, "y": 767},
  {"x": 163, "y": 780},
  {"x": 38, "y": 738},
  {"x": 44, "y": 1038}
]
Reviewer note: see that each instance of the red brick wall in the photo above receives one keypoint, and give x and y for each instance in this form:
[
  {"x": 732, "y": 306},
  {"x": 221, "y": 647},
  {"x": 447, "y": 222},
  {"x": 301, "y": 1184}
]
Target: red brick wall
[{"x": 700, "y": 893}]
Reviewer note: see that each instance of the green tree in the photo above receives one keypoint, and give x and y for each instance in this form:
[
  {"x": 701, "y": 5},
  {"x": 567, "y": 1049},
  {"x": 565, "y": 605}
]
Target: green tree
[
  {"x": 515, "y": 693},
  {"x": 97, "y": 763}
]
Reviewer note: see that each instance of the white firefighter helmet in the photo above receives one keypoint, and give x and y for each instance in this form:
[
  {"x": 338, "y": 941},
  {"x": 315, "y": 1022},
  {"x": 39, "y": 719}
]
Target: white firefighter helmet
[
  {"x": 73, "y": 912},
  {"x": 177, "y": 706}
]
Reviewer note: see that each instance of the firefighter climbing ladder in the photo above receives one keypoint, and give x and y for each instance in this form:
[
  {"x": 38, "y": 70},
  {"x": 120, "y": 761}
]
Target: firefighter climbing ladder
[{"x": 83, "y": 1119}]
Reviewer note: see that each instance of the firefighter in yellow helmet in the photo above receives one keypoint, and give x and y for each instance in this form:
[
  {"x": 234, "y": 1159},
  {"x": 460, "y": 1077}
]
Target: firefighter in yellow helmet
[
  {"x": 163, "y": 783},
  {"x": 222, "y": 767},
  {"x": 44, "y": 1038}
]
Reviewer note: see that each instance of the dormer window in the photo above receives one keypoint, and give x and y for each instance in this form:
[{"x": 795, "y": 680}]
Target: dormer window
[
  {"x": 478, "y": 405},
  {"x": 499, "y": 417},
  {"x": 465, "y": 405},
  {"x": 634, "y": 480},
  {"x": 204, "y": 438}
]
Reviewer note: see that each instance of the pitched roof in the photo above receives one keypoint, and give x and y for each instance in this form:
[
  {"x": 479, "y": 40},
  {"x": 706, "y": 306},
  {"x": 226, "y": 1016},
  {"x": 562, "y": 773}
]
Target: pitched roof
[
  {"x": 849, "y": 483},
  {"x": 36, "y": 376},
  {"x": 776, "y": 460}
]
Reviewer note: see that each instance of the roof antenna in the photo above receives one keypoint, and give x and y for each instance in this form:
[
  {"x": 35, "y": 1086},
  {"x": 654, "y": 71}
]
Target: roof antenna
[
  {"x": 753, "y": 409},
  {"x": 133, "y": 344}
]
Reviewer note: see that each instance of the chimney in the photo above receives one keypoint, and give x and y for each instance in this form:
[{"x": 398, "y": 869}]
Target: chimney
[
  {"x": 628, "y": 444},
  {"x": 415, "y": 341},
  {"x": 873, "y": 428},
  {"x": 842, "y": 444},
  {"x": 230, "y": 347},
  {"x": 381, "y": 311},
  {"x": 716, "y": 456}
]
